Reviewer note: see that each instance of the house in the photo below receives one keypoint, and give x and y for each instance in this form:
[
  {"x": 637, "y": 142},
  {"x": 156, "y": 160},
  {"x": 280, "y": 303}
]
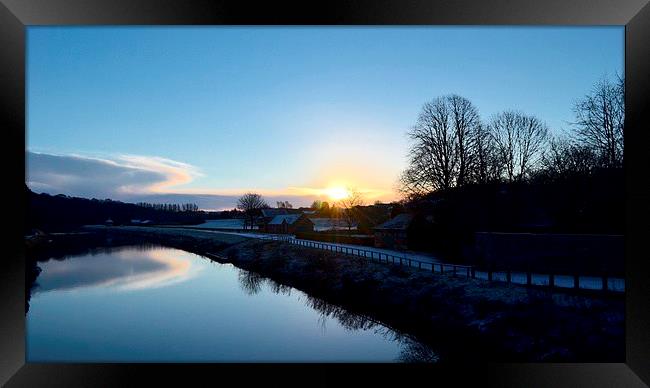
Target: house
[
  {"x": 289, "y": 224},
  {"x": 324, "y": 224},
  {"x": 268, "y": 214},
  {"x": 394, "y": 233}
]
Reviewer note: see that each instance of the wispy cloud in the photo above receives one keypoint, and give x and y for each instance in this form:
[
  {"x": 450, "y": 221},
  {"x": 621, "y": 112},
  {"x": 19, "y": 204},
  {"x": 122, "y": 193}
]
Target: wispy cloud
[
  {"x": 135, "y": 178},
  {"x": 102, "y": 177},
  {"x": 125, "y": 271},
  {"x": 175, "y": 173}
]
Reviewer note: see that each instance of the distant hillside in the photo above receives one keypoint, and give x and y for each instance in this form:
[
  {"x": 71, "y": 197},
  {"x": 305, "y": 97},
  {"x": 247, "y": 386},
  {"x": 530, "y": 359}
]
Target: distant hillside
[{"x": 60, "y": 212}]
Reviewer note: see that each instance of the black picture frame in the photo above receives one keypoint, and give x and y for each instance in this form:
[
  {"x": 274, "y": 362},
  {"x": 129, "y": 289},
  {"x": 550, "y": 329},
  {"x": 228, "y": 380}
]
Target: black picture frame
[{"x": 16, "y": 15}]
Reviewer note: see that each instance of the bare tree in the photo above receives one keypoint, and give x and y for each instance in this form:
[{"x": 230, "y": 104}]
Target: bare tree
[
  {"x": 564, "y": 158},
  {"x": 600, "y": 118},
  {"x": 441, "y": 155},
  {"x": 349, "y": 207},
  {"x": 283, "y": 205},
  {"x": 251, "y": 204},
  {"x": 520, "y": 140},
  {"x": 488, "y": 163},
  {"x": 466, "y": 123}
]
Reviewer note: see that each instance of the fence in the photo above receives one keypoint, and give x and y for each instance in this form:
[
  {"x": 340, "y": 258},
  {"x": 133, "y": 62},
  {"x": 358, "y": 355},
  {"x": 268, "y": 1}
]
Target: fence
[{"x": 603, "y": 283}]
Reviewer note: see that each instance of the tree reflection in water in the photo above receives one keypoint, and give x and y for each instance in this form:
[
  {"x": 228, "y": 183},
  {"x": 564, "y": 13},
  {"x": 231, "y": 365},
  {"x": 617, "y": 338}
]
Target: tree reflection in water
[
  {"x": 411, "y": 351},
  {"x": 250, "y": 282}
]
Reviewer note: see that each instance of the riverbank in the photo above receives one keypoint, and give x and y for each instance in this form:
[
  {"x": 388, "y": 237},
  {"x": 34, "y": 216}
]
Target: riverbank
[{"x": 461, "y": 319}]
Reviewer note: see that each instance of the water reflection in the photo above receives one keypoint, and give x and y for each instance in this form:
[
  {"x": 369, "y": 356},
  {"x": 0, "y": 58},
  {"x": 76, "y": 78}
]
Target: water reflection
[
  {"x": 411, "y": 351},
  {"x": 222, "y": 314},
  {"x": 118, "y": 268},
  {"x": 250, "y": 282}
]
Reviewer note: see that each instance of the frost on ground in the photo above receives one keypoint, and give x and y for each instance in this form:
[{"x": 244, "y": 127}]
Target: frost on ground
[{"x": 506, "y": 321}]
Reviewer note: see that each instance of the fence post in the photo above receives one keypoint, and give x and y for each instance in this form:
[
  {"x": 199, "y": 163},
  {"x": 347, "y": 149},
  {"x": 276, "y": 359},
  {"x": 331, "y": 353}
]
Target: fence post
[
  {"x": 473, "y": 273},
  {"x": 551, "y": 280},
  {"x": 576, "y": 281},
  {"x": 419, "y": 265},
  {"x": 508, "y": 276},
  {"x": 489, "y": 274},
  {"x": 442, "y": 268},
  {"x": 529, "y": 278},
  {"x": 604, "y": 282},
  {"x": 454, "y": 269}
]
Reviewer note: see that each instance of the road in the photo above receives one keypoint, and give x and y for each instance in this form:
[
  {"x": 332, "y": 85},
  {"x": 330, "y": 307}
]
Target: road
[
  {"x": 561, "y": 281},
  {"x": 404, "y": 254}
]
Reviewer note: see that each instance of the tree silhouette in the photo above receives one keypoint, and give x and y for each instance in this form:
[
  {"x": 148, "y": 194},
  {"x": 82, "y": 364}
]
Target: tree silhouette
[
  {"x": 283, "y": 205},
  {"x": 251, "y": 204},
  {"x": 520, "y": 140},
  {"x": 443, "y": 140},
  {"x": 349, "y": 207},
  {"x": 600, "y": 118}
]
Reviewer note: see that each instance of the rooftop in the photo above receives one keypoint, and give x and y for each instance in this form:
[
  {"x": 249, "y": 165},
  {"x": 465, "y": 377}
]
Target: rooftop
[
  {"x": 399, "y": 222},
  {"x": 272, "y": 212},
  {"x": 288, "y": 218}
]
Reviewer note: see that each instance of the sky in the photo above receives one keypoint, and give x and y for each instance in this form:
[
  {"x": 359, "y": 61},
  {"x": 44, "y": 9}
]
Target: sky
[{"x": 204, "y": 114}]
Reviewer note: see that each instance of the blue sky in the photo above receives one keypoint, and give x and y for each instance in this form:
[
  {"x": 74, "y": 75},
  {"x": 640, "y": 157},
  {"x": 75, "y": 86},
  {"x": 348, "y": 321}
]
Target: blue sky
[{"x": 216, "y": 111}]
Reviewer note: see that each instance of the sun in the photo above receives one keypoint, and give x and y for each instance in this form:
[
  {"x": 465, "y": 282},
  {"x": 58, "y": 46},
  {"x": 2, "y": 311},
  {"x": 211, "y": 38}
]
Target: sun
[{"x": 337, "y": 193}]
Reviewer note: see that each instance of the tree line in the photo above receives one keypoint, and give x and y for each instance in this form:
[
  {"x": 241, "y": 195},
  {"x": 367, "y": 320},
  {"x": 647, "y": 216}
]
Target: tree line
[
  {"x": 170, "y": 207},
  {"x": 61, "y": 212},
  {"x": 452, "y": 146}
]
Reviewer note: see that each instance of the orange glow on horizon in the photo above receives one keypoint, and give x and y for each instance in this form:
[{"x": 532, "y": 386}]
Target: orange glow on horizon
[{"x": 337, "y": 193}]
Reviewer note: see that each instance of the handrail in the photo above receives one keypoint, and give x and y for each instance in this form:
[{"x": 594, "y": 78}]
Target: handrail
[
  {"x": 375, "y": 255},
  {"x": 443, "y": 268}
]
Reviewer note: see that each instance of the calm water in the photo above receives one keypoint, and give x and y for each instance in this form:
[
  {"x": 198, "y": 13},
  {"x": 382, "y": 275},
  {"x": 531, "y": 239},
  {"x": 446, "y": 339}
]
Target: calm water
[{"x": 154, "y": 304}]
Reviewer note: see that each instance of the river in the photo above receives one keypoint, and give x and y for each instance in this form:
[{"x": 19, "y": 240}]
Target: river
[{"x": 157, "y": 304}]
